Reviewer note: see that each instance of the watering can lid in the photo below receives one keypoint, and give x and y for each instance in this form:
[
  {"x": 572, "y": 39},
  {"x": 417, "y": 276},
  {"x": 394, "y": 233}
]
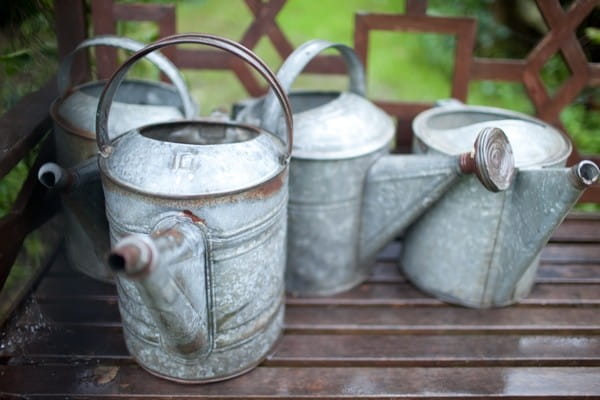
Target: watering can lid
[
  {"x": 452, "y": 129},
  {"x": 348, "y": 126},
  {"x": 331, "y": 125},
  {"x": 194, "y": 158},
  {"x": 145, "y": 102},
  {"x": 140, "y": 102}
]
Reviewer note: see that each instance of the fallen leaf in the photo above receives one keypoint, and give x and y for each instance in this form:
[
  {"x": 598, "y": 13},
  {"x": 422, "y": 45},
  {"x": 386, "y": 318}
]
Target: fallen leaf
[{"x": 105, "y": 374}]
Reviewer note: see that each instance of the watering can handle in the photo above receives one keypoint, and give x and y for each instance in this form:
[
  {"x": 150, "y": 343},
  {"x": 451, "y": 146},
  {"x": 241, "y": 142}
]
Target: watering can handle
[
  {"x": 227, "y": 45},
  {"x": 295, "y": 64},
  {"x": 159, "y": 60}
]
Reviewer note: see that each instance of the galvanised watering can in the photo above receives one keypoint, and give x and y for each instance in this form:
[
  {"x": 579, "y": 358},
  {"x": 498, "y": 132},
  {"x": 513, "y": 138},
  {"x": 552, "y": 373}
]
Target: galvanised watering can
[
  {"x": 348, "y": 195},
  {"x": 139, "y": 102},
  {"x": 197, "y": 215},
  {"x": 480, "y": 249}
]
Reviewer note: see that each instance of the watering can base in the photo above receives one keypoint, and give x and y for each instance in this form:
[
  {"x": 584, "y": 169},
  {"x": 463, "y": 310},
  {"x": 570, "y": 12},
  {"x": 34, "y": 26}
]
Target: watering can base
[
  {"x": 447, "y": 298},
  {"x": 218, "y": 366},
  {"x": 522, "y": 289},
  {"x": 82, "y": 247},
  {"x": 309, "y": 291}
]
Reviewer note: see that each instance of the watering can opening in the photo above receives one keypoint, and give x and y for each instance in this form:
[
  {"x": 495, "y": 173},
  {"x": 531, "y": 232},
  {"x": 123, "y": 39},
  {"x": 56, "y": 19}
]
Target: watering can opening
[
  {"x": 50, "y": 175},
  {"x": 134, "y": 256},
  {"x": 457, "y": 119},
  {"x": 587, "y": 173},
  {"x": 452, "y": 130},
  {"x": 304, "y": 100},
  {"x": 139, "y": 92},
  {"x": 207, "y": 133},
  {"x": 117, "y": 262}
]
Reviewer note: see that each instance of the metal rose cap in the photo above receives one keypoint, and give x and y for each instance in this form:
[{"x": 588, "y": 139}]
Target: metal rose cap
[{"x": 492, "y": 160}]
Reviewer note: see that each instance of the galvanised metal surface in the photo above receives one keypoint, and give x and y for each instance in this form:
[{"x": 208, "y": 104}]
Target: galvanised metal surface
[
  {"x": 348, "y": 196},
  {"x": 450, "y": 129},
  {"x": 200, "y": 282},
  {"x": 138, "y": 103},
  {"x": 481, "y": 249}
]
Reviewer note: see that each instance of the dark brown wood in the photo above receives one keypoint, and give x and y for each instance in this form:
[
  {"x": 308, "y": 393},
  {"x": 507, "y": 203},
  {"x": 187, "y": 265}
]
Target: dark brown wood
[
  {"x": 400, "y": 294},
  {"x": 59, "y": 346},
  {"x": 33, "y": 207},
  {"x": 71, "y": 29},
  {"x": 578, "y": 228},
  {"x": 103, "y": 22},
  {"x": 162, "y": 14},
  {"x": 416, "y": 7},
  {"x": 566, "y": 253},
  {"x": 502, "y": 70},
  {"x": 384, "y": 331},
  {"x": 320, "y": 382},
  {"x": 105, "y": 16},
  {"x": 22, "y": 127}
]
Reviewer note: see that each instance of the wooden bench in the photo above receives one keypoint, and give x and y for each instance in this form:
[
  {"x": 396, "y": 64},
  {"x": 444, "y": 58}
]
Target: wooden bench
[{"x": 383, "y": 339}]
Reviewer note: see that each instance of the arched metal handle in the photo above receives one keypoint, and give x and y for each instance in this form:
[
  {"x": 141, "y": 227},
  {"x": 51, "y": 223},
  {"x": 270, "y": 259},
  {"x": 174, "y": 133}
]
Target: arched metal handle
[
  {"x": 160, "y": 61},
  {"x": 295, "y": 64},
  {"x": 227, "y": 45}
]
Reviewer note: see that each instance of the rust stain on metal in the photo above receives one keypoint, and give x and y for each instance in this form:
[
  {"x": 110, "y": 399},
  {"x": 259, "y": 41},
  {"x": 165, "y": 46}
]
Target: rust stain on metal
[
  {"x": 467, "y": 163},
  {"x": 268, "y": 188},
  {"x": 193, "y": 217}
]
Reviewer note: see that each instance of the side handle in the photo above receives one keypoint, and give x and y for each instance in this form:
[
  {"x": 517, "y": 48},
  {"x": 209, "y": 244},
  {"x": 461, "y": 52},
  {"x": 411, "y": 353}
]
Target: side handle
[{"x": 171, "y": 270}]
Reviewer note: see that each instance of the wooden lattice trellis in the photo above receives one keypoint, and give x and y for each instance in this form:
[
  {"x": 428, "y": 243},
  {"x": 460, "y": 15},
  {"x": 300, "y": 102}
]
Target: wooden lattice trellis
[{"x": 561, "y": 37}]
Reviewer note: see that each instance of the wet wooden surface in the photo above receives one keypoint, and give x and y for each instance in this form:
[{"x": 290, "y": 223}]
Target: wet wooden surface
[{"x": 383, "y": 339}]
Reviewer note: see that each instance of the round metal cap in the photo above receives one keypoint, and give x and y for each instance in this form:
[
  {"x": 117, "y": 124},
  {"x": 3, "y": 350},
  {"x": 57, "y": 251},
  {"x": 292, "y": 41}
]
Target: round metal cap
[{"x": 494, "y": 160}]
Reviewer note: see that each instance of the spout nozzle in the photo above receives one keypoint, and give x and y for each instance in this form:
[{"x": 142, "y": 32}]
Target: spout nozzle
[
  {"x": 117, "y": 262},
  {"x": 132, "y": 256},
  {"x": 53, "y": 176},
  {"x": 585, "y": 174},
  {"x": 492, "y": 160}
]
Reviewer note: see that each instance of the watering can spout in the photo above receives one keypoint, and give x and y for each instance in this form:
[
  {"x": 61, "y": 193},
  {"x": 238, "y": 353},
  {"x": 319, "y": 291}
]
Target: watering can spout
[
  {"x": 535, "y": 206},
  {"x": 584, "y": 174},
  {"x": 168, "y": 285},
  {"x": 53, "y": 176},
  {"x": 399, "y": 189}
]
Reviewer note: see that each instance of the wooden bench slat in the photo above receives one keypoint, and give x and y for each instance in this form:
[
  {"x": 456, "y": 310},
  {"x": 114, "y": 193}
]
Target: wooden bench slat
[
  {"x": 569, "y": 253},
  {"x": 578, "y": 228},
  {"x": 547, "y": 272},
  {"x": 86, "y": 311},
  {"x": 62, "y": 346},
  {"x": 55, "y": 289},
  {"x": 317, "y": 382},
  {"x": 24, "y": 125},
  {"x": 384, "y": 332}
]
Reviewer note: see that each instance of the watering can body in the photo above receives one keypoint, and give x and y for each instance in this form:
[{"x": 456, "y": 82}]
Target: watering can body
[
  {"x": 482, "y": 250},
  {"x": 138, "y": 103},
  {"x": 348, "y": 195},
  {"x": 197, "y": 215}
]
